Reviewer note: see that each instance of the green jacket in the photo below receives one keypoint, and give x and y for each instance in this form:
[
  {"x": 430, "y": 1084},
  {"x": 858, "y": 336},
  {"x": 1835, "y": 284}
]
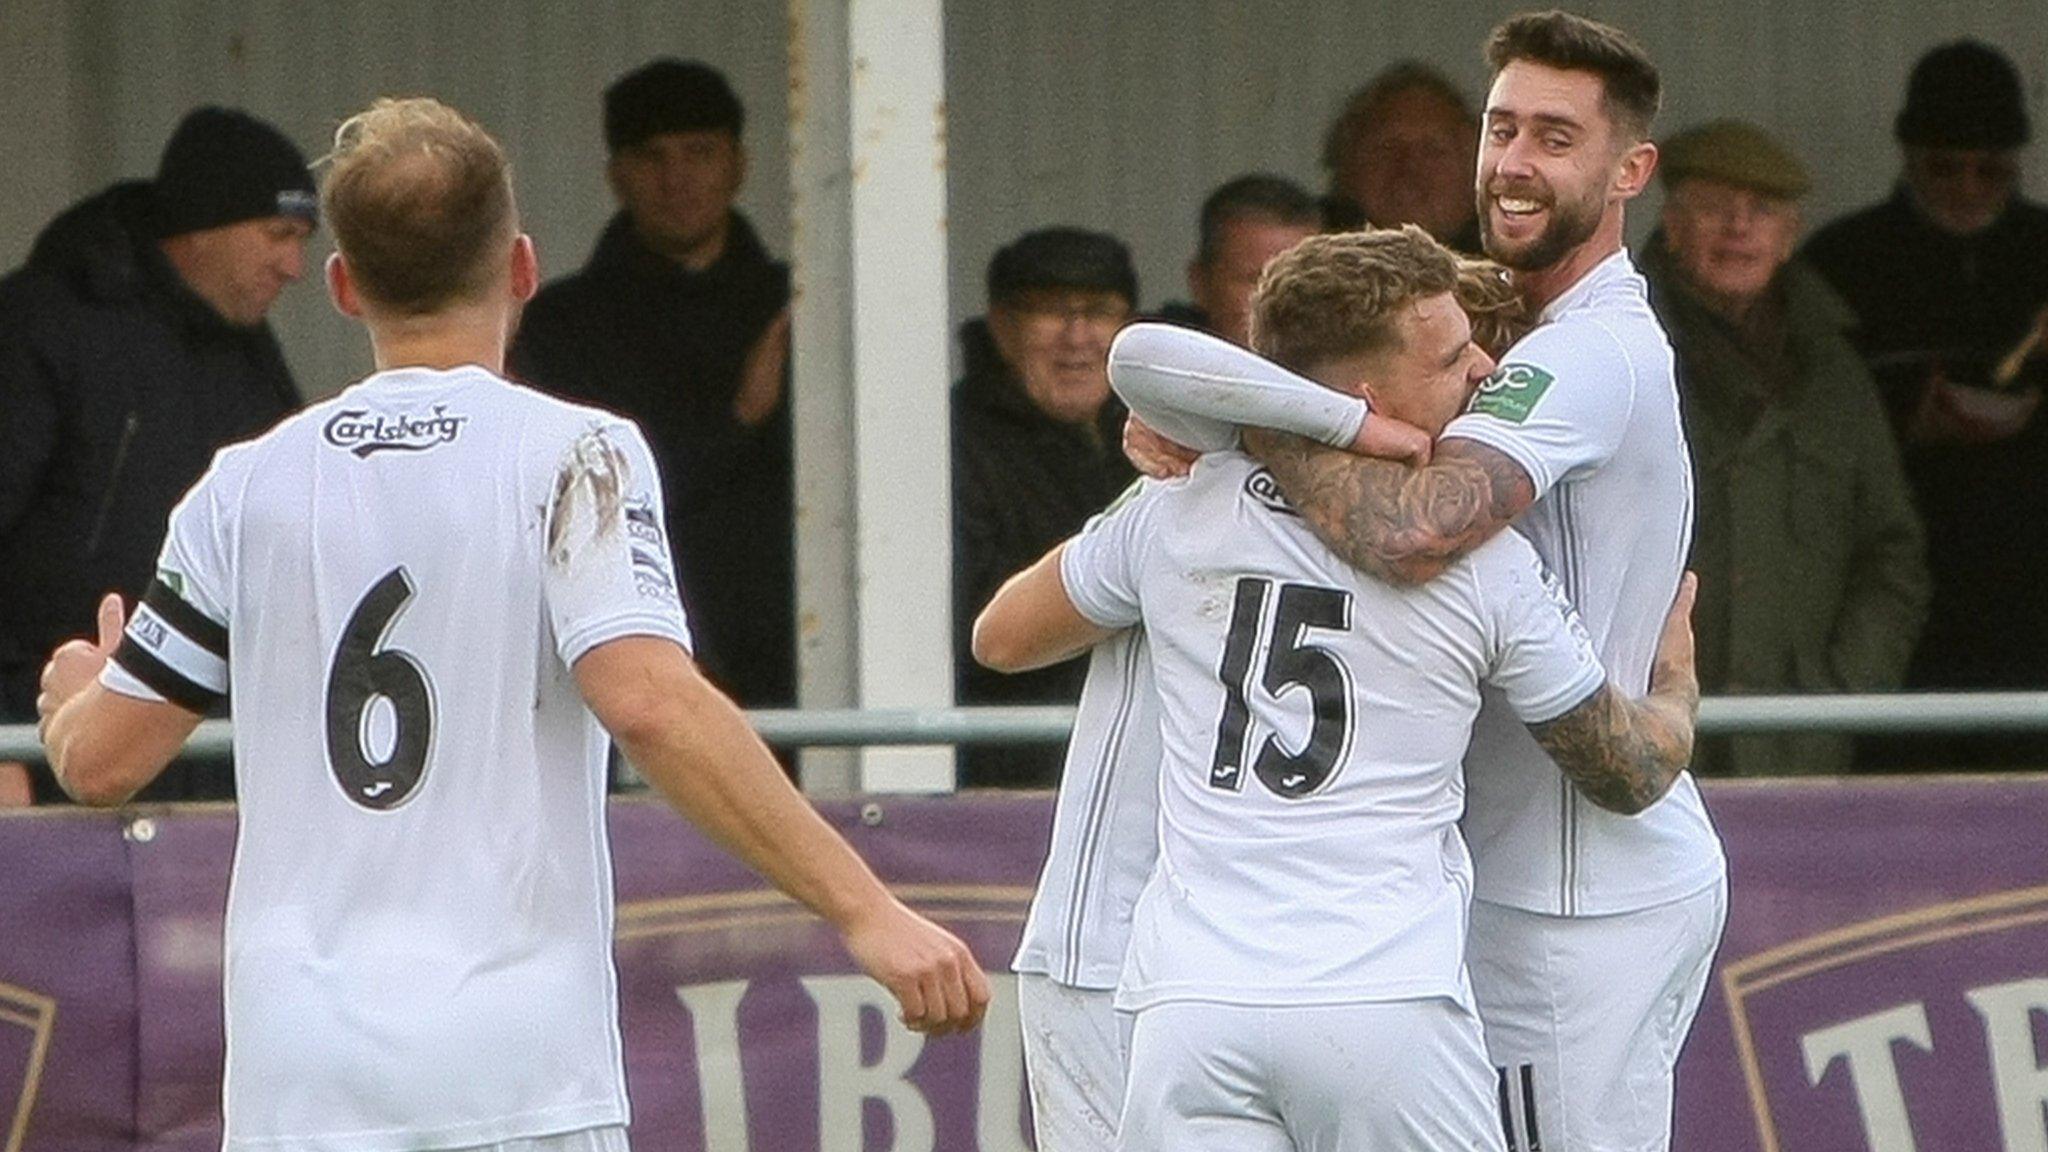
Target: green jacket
[{"x": 1811, "y": 556}]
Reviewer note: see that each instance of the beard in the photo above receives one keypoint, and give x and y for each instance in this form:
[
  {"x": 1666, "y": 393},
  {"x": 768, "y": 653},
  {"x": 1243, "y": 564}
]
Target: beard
[{"x": 1571, "y": 224}]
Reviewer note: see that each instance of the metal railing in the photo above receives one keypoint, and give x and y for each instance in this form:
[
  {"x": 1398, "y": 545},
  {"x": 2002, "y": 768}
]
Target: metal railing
[{"x": 1719, "y": 716}]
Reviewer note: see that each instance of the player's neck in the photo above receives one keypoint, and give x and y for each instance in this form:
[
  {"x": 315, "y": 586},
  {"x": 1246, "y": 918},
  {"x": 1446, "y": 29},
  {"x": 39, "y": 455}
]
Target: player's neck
[
  {"x": 1541, "y": 286},
  {"x": 447, "y": 340}
]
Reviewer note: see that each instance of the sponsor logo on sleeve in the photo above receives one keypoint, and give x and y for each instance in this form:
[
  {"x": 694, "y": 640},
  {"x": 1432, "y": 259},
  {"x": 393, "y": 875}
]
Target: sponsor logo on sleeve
[
  {"x": 364, "y": 434},
  {"x": 1512, "y": 391}
]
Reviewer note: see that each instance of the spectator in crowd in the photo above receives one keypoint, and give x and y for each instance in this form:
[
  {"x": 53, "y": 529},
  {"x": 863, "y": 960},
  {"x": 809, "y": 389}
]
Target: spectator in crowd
[
  {"x": 680, "y": 320},
  {"x": 1949, "y": 281},
  {"x": 1245, "y": 223},
  {"x": 1812, "y": 563},
  {"x": 1036, "y": 452},
  {"x": 133, "y": 344},
  {"x": 1402, "y": 151}
]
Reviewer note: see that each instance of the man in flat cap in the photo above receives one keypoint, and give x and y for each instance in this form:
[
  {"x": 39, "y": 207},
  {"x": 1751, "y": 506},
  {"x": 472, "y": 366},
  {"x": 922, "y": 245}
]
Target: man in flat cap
[
  {"x": 1811, "y": 558},
  {"x": 1949, "y": 280},
  {"x": 680, "y": 320},
  {"x": 133, "y": 345},
  {"x": 1036, "y": 452}
]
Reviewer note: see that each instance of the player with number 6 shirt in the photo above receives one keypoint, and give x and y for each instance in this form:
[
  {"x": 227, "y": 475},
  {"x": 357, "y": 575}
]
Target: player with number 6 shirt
[{"x": 429, "y": 600}]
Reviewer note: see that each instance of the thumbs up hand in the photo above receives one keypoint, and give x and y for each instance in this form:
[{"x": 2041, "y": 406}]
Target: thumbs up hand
[{"x": 77, "y": 663}]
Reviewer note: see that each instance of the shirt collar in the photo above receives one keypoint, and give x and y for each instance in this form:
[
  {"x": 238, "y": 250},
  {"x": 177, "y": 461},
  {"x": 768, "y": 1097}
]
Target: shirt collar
[{"x": 1617, "y": 267}]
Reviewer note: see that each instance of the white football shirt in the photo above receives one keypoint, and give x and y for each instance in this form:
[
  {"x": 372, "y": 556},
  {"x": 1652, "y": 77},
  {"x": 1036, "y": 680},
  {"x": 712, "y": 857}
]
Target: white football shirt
[
  {"x": 1105, "y": 824},
  {"x": 391, "y": 588},
  {"x": 1311, "y": 726},
  {"x": 1588, "y": 406}
]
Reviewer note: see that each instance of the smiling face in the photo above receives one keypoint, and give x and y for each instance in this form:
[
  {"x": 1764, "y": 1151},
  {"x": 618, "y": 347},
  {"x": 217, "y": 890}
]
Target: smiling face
[
  {"x": 1728, "y": 241},
  {"x": 1057, "y": 342},
  {"x": 1548, "y": 152}
]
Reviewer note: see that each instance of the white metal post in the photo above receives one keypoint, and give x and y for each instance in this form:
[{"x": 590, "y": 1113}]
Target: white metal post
[{"x": 874, "y": 531}]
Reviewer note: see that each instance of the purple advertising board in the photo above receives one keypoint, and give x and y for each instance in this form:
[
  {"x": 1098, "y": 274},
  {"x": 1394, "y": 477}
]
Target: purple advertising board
[{"x": 1883, "y": 983}]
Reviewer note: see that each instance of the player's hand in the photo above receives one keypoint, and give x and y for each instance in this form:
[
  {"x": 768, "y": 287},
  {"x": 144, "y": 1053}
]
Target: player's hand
[
  {"x": 762, "y": 375},
  {"x": 77, "y": 663},
  {"x": 1385, "y": 438},
  {"x": 933, "y": 976},
  {"x": 1673, "y": 673},
  {"x": 1154, "y": 455}
]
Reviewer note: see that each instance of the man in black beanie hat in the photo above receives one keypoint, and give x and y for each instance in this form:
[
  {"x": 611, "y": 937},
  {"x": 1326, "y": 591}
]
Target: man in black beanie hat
[
  {"x": 680, "y": 320},
  {"x": 132, "y": 346},
  {"x": 1949, "y": 283},
  {"x": 1036, "y": 452}
]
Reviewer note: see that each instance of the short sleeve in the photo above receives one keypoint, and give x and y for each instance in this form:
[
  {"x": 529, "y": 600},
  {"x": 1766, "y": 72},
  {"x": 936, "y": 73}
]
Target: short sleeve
[
  {"x": 609, "y": 571},
  {"x": 1559, "y": 402},
  {"x": 1100, "y": 566},
  {"x": 1543, "y": 661},
  {"x": 175, "y": 647}
]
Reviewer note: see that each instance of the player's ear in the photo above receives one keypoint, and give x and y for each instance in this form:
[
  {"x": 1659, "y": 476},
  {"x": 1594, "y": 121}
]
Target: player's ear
[
  {"x": 1633, "y": 173},
  {"x": 341, "y": 289},
  {"x": 525, "y": 269}
]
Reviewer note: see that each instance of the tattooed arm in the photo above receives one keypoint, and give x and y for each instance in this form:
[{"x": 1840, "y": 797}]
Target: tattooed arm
[
  {"x": 1623, "y": 754},
  {"x": 1399, "y": 523}
]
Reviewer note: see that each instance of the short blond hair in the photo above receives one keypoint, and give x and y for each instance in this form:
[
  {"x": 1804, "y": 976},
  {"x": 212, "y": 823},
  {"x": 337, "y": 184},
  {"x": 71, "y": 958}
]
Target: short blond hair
[
  {"x": 420, "y": 200},
  {"x": 1499, "y": 315},
  {"x": 1339, "y": 295}
]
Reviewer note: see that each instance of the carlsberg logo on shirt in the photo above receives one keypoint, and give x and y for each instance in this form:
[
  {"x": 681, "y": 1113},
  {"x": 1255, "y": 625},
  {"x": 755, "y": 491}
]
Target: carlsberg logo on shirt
[{"x": 1512, "y": 391}]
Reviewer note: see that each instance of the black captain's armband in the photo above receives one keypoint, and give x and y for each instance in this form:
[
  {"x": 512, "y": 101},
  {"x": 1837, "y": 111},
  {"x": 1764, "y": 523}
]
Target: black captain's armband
[{"x": 175, "y": 649}]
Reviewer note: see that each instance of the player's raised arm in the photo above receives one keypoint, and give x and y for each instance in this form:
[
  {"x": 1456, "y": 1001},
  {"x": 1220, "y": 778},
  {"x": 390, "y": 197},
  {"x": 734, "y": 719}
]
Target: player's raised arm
[
  {"x": 1624, "y": 754},
  {"x": 1400, "y": 523},
  {"x": 695, "y": 747}
]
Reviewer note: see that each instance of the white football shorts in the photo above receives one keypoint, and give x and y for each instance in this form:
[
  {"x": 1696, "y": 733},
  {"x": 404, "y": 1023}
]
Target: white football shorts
[
  {"x": 1075, "y": 1046},
  {"x": 1398, "y": 1074},
  {"x": 1585, "y": 1017}
]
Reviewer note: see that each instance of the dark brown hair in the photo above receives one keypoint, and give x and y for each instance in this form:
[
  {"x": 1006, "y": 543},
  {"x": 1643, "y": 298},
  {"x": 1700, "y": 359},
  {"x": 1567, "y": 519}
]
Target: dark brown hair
[
  {"x": 420, "y": 200},
  {"x": 1629, "y": 82},
  {"x": 1338, "y": 295}
]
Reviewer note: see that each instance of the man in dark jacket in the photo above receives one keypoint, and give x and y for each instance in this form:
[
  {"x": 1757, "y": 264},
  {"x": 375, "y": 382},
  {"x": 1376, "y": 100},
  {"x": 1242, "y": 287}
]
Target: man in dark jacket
[
  {"x": 680, "y": 321},
  {"x": 1813, "y": 575},
  {"x": 1949, "y": 279},
  {"x": 132, "y": 346},
  {"x": 1036, "y": 451}
]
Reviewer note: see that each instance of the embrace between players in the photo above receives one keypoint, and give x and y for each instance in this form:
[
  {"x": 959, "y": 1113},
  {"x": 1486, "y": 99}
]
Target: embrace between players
[
  {"x": 1259, "y": 927},
  {"x": 1291, "y": 651}
]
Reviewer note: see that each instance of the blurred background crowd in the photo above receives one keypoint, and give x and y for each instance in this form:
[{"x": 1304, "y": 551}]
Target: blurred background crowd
[{"x": 1861, "y": 392}]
